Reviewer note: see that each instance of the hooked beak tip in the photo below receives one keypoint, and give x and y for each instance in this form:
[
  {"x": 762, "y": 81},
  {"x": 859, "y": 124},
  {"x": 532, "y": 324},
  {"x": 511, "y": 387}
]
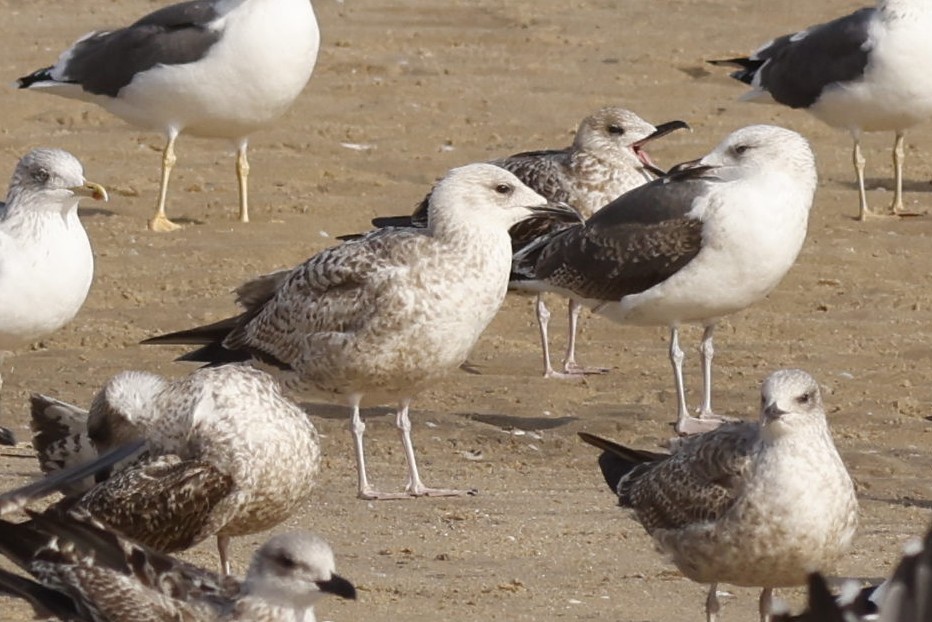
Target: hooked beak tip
[{"x": 92, "y": 190}]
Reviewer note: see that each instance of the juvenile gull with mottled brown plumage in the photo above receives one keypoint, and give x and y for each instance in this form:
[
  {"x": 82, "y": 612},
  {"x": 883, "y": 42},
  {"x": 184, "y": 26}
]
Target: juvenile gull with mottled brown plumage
[
  {"x": 607, "y": 158},
  {"x": 739, "y": 504},
  {"x": 229, "y": 455},
  {"x": 715, "y": 236},
  {"x": 385, "y": 315},
  {"x": 83, "y": 572}
]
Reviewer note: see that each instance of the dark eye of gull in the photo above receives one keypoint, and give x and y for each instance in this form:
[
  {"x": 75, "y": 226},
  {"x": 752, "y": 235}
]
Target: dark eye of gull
[
  {"x": 616, "y": 130},
  {"x": 740, "y": 149},
  {"x": 40, "y": 175},
  {"x": 285, "y": 561},
  {"x": 805, "y": 398},
  {"x": 504, "y": 189}
]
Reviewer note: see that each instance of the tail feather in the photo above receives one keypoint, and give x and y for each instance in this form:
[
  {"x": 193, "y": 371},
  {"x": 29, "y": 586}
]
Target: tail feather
[
  {"x": 617, "y": 460},
  {"x": 202, "y": 335},
  {"x": 747, "y": 67},
  {"x": 60, "y": 438},
  {"x": 41, "y": 75},
  {"x": 382, "y": 222}
]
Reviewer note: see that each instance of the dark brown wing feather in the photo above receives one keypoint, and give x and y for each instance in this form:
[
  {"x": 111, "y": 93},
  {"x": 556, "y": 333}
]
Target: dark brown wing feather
[
  {"x": 630, "y": 245},
  {"x": 164, "y": 503},
  {"x": 541, "y": 171},
  {"x": 698, "y": 483}
]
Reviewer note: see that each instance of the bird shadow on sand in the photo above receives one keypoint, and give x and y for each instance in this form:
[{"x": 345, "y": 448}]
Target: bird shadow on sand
[
  {"x": 95, "y": 211},
  {"x": 512, "y": 422},
  {"x": 505, "y": 422},
  {"x": 341, "y": 411},
  {"x": 906, "y": 502}
]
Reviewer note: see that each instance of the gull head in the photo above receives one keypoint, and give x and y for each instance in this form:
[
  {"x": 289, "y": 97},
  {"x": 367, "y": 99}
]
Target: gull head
[
  {"x": 790, "y": 399},
  {"x": 295, "y": 569},
  {"x": 619, "y": 136},
  {"x": 119, "y": 410},
  {"x": 483, "y": 196},
  {"x": 54, "y": 177},
  {"x": 762, "y": 149}
]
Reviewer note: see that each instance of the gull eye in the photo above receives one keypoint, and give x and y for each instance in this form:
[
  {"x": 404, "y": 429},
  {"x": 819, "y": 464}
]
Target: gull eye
[
  {"x": 285, "y": 561},
  {"x": 616, "y": 130},
  {"x": 504, "y": 189},
  {"x": 40, "y": 175},
  {"x": 806, "y": 398},
  {"x": 740, "y": 149}
]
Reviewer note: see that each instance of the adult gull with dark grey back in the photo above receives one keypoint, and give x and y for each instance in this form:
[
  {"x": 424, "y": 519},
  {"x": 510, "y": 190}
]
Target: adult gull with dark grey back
[
  {"x": 211, "y": 68},
  {"x": 870, "y": 71},
  {"x": 711, "y": 238}
]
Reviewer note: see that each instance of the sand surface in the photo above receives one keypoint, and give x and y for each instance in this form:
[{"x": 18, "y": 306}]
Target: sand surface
[{"x": 403, "y": 91}]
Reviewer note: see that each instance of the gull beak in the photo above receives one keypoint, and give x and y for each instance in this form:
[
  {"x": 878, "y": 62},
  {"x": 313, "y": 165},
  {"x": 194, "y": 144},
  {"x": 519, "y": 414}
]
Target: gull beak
[
  {"x": 339, "y": 586},
  {"x": 772, "y": 412},
  {"x": 662, "y": 130},
  {"x": 90, "y": 189},
  {"x": 659, "y": 131},
  {"x": 561, "y": 210}
]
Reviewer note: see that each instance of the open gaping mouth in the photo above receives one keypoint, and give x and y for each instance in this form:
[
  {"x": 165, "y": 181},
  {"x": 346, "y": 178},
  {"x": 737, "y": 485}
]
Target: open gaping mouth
[{"x": 662, "y": 130}]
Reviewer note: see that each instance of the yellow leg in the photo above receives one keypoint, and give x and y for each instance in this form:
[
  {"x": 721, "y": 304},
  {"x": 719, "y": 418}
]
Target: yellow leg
[
  {"x": 242, "y": 176},
  {"x": 160, "y": 222}
]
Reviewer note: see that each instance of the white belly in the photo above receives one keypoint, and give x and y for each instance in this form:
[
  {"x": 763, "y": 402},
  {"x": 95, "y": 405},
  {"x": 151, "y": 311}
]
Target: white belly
[
  {"x": 42, "y": 286},
  {"x": 247, "y": 80}
]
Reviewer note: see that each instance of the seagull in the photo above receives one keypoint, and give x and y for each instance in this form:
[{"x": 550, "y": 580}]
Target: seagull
[
  {"x": 84, "y": 572},
  {"x": 387, "y": 314},
  {"x": 211, "y": 68},
  {"x": 46, "y": 263},
  {"x": 228, "y": 455},
  {"x": 870, "y": 71},
  {"x": 711, "y": 238},
  {"x": 736, "y": 504},
  {"x": 607, "y": 158}
]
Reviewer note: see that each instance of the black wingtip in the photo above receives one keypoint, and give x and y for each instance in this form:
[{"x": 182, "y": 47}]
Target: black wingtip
[
  {"x": 7, "y": 437},
  {"x": 46, "y": 602},
  {"x": 42, "y": 75},
  {"x": 382, "y": 222},
  {"x": 16, "y": 499}
]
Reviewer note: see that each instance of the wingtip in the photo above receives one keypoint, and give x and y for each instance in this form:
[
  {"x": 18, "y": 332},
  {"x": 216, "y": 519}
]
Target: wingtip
[{"x": 7, "y": 437}]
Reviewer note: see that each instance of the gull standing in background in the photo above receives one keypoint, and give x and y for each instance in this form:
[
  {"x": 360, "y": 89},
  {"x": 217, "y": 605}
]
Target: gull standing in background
[
  {"x": 210, "y": 68},
  {"x": 607, "y": 158},
  {"x": 870, "y": 71},
  {"x": 385, "y": 315},
  {"x": 738, "y": 504},
  {"x": 46, "y": 263},
  {"x": 711, "y": 238}
]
